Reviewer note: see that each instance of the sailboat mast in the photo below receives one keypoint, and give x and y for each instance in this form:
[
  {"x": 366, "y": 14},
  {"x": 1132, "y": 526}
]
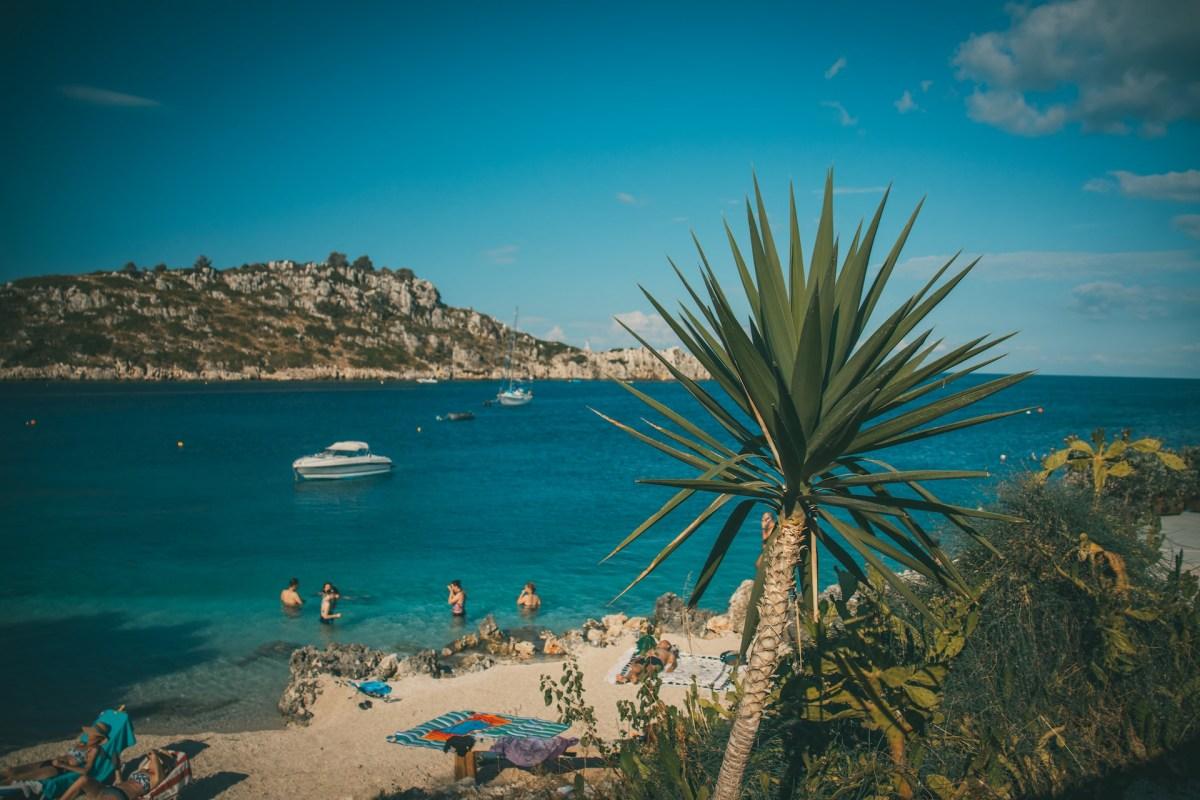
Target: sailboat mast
[{"x": 512, "y": 343}]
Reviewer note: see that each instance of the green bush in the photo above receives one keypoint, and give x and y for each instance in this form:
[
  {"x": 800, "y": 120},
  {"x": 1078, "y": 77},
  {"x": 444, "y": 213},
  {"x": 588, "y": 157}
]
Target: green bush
[
  {"x": 1081, "y": 660},
  {"x": 1154, "y": 487}
]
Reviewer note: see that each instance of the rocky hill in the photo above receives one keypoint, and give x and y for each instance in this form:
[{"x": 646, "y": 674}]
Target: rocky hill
[{"x": 280, "y": 320}]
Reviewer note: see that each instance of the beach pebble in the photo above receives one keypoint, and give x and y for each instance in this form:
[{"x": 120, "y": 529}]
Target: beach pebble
[
  {"x": 523, "y": 649},
  {"x": 552, "y": 646}
]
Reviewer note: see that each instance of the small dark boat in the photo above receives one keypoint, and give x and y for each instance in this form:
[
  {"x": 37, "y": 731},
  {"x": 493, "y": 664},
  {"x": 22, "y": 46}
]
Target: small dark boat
[{"x": 457, "y": 416}]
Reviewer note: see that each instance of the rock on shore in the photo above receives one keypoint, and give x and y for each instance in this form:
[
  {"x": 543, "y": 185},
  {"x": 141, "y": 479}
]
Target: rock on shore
[{"x": 489, "y": 646}]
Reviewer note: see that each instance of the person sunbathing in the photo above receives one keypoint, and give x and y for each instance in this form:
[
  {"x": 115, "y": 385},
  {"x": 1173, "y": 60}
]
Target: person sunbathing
[
  {"x": 78, "y": 758},
  {"x": 661, "y": 659},
  {"x": 146, "y": 775}
]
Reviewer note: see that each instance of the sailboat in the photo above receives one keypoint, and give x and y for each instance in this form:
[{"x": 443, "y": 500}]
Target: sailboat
[{"x": 514, "y": 395}]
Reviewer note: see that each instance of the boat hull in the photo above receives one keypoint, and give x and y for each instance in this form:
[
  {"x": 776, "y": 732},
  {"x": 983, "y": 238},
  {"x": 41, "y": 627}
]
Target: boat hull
[
  {"x": 506, "y": 399},
  {"x": 328, "y": 472}
]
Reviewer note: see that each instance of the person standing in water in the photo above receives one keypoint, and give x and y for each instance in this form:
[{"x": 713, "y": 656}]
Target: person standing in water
[
  {"x": 457, "y": 599},
  {"x": 528, "y": 599},
  {"x": 290, "y": 597},
  {"x": 329, "y": 598}
]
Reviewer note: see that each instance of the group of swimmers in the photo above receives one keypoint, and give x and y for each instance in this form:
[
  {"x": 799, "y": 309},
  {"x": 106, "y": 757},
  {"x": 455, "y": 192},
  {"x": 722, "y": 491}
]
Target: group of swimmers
[
  {"x": 528, "y": 600},
  {"x": 291, "y": 599},
  {"x": 81, "y": 757}
]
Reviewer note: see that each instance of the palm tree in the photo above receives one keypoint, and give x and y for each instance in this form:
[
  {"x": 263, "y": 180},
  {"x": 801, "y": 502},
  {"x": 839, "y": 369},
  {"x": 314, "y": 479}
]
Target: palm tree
[{"x": 801, "y": 397}]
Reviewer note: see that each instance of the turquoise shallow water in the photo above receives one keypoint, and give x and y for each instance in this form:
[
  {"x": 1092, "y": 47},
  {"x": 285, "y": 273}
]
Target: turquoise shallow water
[{"x": 144, "y": 573}]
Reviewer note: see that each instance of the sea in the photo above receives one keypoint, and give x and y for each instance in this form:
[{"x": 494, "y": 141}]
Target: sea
[{"x": 147, "y": 529}]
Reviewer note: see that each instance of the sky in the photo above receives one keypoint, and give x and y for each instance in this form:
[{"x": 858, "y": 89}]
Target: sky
[{"x": 551, "y": 156}]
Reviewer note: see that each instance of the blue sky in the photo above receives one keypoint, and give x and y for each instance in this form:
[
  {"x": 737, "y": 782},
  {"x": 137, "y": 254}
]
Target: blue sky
[{"x": 551, "y": 155}]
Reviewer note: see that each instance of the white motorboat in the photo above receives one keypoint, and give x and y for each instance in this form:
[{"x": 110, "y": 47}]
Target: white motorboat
[
  {"x": 427, "y": 380},
  {"x": 342, "y": 460},
  {"x": 514, "y": 395}
]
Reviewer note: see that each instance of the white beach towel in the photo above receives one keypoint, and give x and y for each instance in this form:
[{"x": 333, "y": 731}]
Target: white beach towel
[{"x": 709, "y": 671}]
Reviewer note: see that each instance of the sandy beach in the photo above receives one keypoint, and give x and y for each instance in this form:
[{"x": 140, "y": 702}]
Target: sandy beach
[{"x": 344, "y": 752}]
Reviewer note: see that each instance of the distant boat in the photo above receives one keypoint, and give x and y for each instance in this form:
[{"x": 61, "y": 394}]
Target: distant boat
[
  {"x": 427, "y": 380},
  {"x": 341, "y": 460},
  {"x": 514, "y": 395},
  {"x": 457, "y": 416}
]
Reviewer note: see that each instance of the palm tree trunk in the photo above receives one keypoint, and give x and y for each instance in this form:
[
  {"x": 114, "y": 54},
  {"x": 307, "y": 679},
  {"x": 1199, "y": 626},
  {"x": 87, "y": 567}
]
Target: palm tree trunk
[{"x": 772, "y": 631}]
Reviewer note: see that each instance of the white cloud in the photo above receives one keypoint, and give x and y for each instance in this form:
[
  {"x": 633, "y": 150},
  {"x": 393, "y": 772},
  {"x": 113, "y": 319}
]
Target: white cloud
[
  {"x": 1183, "y": 187},
  {"x": 1061, "y": 265},
  {"x": 844, "y": 117},
  {"x": 906, "y": 103},
  {"x": 926, "y": 86},
  {"x": 650, "y": 327},
  {"x": 1189, "y": 224},
  {"x": 1106, "y": 299},
  {"x": 1008, "y": 111},
  {"x": 504, "y": 254},
  {"x": 555, "y": 334},
  {"x": 1099, "y": 185},
  {"x": 627, "y": 199},
  {"x": 835, "y": 67},
  {"x": 1108, "y": 64},
  {"x": 95, "y": 96}
]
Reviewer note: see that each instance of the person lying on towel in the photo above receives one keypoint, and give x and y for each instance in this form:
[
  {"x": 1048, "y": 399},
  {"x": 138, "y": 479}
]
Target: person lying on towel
[
  {"x": 146, "y": 775},
  {"x": 661, "y": 659},
  {"x": 79, "y": 758}
]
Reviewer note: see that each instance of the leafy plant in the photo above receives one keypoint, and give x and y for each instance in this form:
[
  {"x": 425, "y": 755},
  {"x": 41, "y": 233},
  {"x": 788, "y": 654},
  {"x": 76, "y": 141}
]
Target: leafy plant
[
  {"x": 566, "y": 696},
  {"x": 1101, "y": 459},
  {"x": 807, "y": 393},
  {"x": 878, "y": 669}
]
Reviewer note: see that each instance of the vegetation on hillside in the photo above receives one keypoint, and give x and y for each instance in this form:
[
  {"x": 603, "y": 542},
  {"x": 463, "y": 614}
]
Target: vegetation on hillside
[{"x": 261, "y": 318}]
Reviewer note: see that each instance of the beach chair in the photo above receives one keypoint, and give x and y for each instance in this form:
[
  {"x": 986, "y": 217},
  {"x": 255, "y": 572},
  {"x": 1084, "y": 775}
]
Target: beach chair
[
  {"x": 120, "y": 738},
  {"x": 179, "y": 777}
]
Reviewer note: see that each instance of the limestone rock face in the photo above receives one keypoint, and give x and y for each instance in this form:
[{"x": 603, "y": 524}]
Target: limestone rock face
[
  {"x": 739, "y": 602},
  {"x": 278, "y": 320}
]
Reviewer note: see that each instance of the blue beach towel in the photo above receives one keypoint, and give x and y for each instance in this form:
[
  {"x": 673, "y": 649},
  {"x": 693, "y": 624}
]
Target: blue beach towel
[
  {"x": 120, "y": 737},
  {"x": 372, "y": 688}
]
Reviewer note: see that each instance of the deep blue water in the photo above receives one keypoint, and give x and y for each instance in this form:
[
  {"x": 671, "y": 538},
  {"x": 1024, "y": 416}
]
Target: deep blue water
[{"x": 142, "y": 572}]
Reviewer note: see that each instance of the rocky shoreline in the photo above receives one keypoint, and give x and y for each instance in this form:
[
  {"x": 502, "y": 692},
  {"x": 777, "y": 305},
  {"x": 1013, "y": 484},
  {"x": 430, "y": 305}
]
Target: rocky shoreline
[{"x": 310, "y": 667}]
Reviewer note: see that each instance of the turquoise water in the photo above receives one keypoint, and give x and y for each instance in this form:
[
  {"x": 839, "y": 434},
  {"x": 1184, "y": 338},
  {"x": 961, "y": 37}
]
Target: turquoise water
[{"x": 142, "y": 572}]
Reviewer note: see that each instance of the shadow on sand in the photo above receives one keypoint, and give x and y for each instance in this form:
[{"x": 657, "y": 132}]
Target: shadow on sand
[
  {"x": 212, "y": 785},
  {"x": 59, "y": 673}
]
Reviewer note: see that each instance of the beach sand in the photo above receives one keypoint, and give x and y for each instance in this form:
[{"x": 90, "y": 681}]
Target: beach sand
[{"x": 344, "y": 752}]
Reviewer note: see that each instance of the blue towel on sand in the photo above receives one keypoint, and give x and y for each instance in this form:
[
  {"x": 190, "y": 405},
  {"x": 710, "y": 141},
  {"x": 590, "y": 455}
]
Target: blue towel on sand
[
  {"x": 120, "y": 737},
  {"x": 373, "y": 688}
]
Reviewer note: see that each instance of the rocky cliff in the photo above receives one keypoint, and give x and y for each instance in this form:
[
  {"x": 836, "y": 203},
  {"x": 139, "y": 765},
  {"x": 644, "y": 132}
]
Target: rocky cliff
[{"x": 275, "y": 321}]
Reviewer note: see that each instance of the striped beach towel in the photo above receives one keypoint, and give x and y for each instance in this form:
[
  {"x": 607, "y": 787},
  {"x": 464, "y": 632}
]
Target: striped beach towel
[{"x": 434, "y": 733}]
